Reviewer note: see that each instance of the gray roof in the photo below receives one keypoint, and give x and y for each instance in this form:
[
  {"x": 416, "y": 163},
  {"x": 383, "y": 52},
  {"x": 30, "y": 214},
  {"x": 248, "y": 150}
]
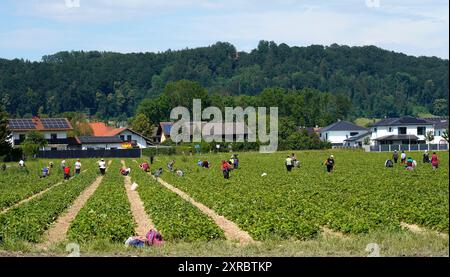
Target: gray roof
[
  {"x": 398, "y": 137},
  {"x": 438, "y": 122},
  {"x": 343, "y": 126},
  {"x": 94, "y": 140},
  {"x": 360, "y": 136},
  {"x": 404, "y": 120}
]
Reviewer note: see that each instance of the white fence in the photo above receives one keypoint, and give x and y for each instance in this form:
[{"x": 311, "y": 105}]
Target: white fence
[{"x": 407, "y": 147}]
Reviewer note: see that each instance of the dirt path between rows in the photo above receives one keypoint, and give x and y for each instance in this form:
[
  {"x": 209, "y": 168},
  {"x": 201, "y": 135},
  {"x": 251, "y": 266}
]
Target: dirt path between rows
[
  {"x": 419, "y": 230},
  {"x": 31, "y": 197},
  {"x": 329, "y": 232},
  {"x": 59, "y": 230},
  {"x": 231, "y": 230},
  {"x": 143, "y": 221}
]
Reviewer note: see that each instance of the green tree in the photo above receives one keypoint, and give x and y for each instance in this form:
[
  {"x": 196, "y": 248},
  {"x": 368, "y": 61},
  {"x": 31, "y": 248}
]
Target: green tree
[
  {"x": 429, "y": 136},
  {"x": 5, "y": 135},
  {"x": 445, "y": 135},
  {"x": 141, "y": 124}
]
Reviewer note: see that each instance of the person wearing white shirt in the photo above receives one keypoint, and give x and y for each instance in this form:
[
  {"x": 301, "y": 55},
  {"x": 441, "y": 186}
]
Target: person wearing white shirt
[
  {"x": 77, "y": 167},
  {"x": 102, "y": 166},
  {"x": 21, "y": 163}
]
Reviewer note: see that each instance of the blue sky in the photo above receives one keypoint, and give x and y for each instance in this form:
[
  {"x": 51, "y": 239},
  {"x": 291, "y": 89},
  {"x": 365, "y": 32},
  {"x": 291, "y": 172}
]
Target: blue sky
[{"x": 30, "y": 29}]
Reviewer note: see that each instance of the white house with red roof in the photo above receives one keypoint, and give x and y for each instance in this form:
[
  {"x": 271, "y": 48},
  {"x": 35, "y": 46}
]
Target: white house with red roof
[
  {"x": 54, "y": 130},
  {"x": 127, "y": 136}
]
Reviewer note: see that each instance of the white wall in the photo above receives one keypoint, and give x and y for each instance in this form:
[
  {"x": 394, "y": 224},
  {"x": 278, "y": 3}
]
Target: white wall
[
  {"x": 47, "y": 135},
  {"x": 337, "y": 136},
  {"x": 410, "y": 130},
  {"x": 141, "y": 142},
  {"x": 438, "y": 136}
]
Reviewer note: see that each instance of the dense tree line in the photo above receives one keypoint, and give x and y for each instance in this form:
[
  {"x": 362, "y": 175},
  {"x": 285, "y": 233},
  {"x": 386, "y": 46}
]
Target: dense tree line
[{"x": 376, "y": 82}]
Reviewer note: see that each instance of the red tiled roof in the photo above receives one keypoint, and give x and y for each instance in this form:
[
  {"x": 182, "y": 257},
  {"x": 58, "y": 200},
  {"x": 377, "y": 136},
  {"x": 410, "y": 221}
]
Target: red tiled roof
[{"x": 100, "y": 129}]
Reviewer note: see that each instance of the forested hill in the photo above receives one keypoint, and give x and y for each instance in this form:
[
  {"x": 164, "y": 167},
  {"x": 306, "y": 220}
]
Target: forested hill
[{"x": 378, "y": 82}]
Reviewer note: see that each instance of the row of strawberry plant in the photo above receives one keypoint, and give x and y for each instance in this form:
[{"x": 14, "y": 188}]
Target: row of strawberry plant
[
  {"x": 17, "y": 184},
  {"x": 359, "y": 197},
  {"x": 173, "y": 216},
  {"x": 30, "y": 220},
  {"x": 107, "y": 214}
]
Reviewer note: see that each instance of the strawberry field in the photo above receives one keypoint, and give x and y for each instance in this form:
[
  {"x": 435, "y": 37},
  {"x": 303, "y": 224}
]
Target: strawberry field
[{"x": 361, "y": 196}]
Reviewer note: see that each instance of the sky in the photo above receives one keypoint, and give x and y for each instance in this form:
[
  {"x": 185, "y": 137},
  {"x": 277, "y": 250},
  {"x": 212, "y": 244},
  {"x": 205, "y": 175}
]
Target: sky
[{"x": 30, "y": 29}]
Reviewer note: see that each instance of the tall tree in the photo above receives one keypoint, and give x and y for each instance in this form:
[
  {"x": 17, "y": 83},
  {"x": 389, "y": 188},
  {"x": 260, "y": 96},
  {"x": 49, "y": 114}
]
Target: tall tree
[{"x": 5, "y": 135}]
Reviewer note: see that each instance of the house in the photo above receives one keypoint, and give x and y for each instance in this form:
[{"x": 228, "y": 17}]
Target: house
[
  {"x": 54, "y": 130},
  {"x": 402, "y": 130},
  {"x": 162, "y": 132},
  {"x": 358, "y": 140},
  {"x": 340, "y": 131},
  {"x": 129, "y": 137},
  {"x": 96, "y": 143},
  {"x": 440, "y": 125},
  {"x": 227, "y": 131}
]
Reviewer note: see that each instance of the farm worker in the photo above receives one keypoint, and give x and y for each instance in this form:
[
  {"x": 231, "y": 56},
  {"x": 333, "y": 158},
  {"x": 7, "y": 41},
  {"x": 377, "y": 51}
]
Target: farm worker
[
  {"x": 170, "y": 165},
  {"x": 102, "y": 166},
  {"x": 288, "y": 163},
  {"x": 426, "y": 157},
  {"x": 388, "y": 163},
  {"x": 125, "y": 171},
  {"x": 294, "y": 159},
  {"x": 21, "y": 163},
  {"x": 45, "y": 171},
  {"x": 77, "y": 167},
  {"x": 235, "y": 161},
  {"x": 158, "y": 172},
  {"x": 151, "y": 159},
  {"x": 434, "y": 160},
  {"x": 225, "y": 169},
  {"x": 180, "y": 173},
  {"x": 63, "y": 164},
  {"x": 200, "y": 163},
  {"x": 395, "y": 156},
  {"x": 409, "y": 164},
  {"x": 66, "y": 172},
  {"x": 3, "y": 167},
  {"x": 51, "y": 164},
  {"x": 403, "y": 157},
  {"x": 231, "y": 161},
  {"x": 145, "y": 166},
  {"x": 330, "y": 163},
  {"x": 205, "y": 164}
]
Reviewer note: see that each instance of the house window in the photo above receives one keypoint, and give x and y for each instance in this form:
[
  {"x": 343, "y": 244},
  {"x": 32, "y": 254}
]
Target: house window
[
  {"x": 326, "y": 136},
  {"x": 402, "y": 130},
  {"x": 421, "y": 131},
  {"x": 353, "y": 133},
  {"x": 439, "y": 133},
  {"x": 22, "y": 137},
  {"x": 122, "y": 137},
  {"x": 54, "y": 149},
  {"x": 374, "y": 129},
  {"x": 390, "y": 129},
  {"x": 129, "y": 138},
  {"x": 53, "y": 136}
]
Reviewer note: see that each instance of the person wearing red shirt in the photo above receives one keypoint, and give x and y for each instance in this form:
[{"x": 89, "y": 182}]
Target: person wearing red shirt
[
  {"x": 434, "y": 160},
  {"x": 226, "y": 168},
  {"x": 67, "y": 172}
]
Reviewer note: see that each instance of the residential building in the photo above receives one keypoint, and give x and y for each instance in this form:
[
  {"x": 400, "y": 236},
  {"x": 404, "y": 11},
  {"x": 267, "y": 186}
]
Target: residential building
[
  {"x": 340, "y": 131},
  {"x": 404, "y": 130},
  {"x": 54, "y": 130},
  {"x": 129, "y": 137}
]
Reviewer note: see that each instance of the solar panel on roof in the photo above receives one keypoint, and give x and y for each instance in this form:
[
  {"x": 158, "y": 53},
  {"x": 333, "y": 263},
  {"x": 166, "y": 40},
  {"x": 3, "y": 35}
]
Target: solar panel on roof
[
  {"x": 54, "y": 123},
  {"x": 21, "y": 124}
]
